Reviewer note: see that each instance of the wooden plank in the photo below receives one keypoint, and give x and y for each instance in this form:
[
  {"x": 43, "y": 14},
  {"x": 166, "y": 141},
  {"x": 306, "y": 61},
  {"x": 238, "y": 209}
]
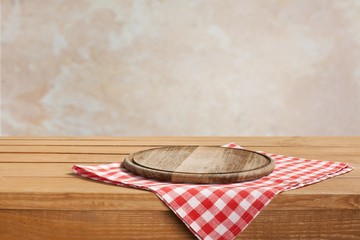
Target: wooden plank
[
  {"x": 38, "y": 170},
  {"x": 71, "y": 194},
  {"x": 59, "y": 158},
  {"x": 78, "y": 184},
  {"x": 144, "y": 200},
  {"x": 124, "y": 199},
  {"x": 81, "y": 193},
  {"x": 62, "y": 170},
  {"x": 97, "y": 158},
  {"x": 58, "y": 225},
  {"x": 246, "y": 141},
  {"x": 298, "y": 151},
  {"x": 95, "y": 225},
  {"x": 73, "y": 149},
  {"x": 333, "y": 224},
  {"x": 47, "y": 185},
  {"x": 290, "y": 200}
]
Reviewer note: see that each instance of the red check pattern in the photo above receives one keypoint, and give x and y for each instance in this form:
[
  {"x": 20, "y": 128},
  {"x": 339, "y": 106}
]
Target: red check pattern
[{"x": 222, "y": 211}]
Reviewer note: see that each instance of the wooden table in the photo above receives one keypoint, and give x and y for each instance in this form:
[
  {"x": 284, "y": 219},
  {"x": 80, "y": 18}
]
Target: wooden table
[{"x": 40, "y": 198}]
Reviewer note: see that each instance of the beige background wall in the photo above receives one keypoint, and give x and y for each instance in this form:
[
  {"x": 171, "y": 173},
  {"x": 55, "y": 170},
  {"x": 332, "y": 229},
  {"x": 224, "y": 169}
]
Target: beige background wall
[{"x": 115, "y": 67}]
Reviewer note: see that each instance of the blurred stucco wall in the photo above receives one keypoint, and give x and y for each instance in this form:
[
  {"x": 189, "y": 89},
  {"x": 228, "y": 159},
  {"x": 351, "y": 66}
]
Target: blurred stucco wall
[{"x": 108, "y": 67}]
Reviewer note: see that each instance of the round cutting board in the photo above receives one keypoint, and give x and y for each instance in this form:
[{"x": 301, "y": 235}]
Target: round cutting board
[{"x": 195, "y": 164}]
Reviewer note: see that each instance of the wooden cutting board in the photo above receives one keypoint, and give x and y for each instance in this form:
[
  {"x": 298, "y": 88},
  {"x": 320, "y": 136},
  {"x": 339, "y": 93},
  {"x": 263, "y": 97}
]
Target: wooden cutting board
[{"x": 196, "y": 164}]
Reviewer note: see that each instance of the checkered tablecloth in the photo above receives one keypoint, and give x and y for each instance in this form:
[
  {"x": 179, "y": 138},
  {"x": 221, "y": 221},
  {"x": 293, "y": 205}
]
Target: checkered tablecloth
[{"x": 222, "y": 211}]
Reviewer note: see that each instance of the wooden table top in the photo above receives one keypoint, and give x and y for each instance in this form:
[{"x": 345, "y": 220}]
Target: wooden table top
[{"x": 40, "y": 197}]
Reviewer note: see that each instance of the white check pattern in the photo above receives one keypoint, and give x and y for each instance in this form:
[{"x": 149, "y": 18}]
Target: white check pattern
[{"x": 222, "y": 211}]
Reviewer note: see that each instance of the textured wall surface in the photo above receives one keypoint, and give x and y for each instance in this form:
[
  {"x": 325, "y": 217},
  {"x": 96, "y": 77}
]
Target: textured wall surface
[{"x": 108, "y": 67}]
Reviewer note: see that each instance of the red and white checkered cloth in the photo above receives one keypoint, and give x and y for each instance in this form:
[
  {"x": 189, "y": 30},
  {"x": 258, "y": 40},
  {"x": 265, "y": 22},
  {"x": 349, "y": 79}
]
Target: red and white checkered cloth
[{"x": 222, "y": 211}]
